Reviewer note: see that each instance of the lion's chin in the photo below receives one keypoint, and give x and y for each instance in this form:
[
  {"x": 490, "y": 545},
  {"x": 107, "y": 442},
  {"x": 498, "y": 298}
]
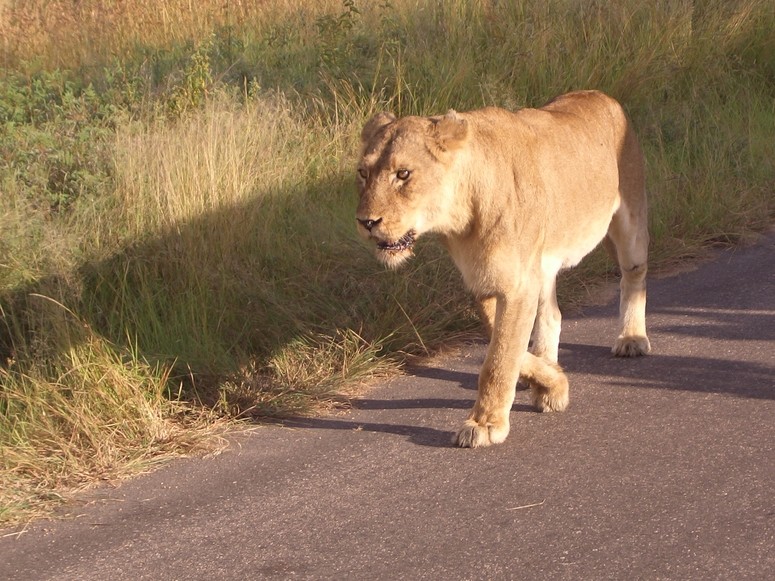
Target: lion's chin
[
  {"x": 393, "y": 258},
  {"x": 394, "y": 254}
]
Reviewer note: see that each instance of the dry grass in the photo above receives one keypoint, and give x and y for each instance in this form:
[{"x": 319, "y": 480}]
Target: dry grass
[
  {"x": 87, "y": 413},
  {"x": 227, "y": 155},
  {"x": 73, "y": 33}
]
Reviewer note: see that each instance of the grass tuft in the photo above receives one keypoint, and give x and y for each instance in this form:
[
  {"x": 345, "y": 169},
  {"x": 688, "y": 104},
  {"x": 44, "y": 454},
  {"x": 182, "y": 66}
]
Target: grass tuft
[{"x": 86, "y": 411}]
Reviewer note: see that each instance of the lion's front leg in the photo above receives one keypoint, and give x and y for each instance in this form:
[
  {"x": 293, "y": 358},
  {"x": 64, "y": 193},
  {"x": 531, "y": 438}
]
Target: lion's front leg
[{"x": 488, "y": 422}]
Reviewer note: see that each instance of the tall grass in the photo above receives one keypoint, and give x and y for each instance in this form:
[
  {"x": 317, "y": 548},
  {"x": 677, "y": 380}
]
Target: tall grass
[{"x": 176, "y": 208}]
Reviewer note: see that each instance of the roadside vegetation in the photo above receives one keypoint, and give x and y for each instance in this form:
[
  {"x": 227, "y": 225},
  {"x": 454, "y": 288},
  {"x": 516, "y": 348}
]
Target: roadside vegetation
[{"x": 177, "y": 246}]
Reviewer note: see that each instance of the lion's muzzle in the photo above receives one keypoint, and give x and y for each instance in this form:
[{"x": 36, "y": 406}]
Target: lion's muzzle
[{"x": 404, "y": 243}]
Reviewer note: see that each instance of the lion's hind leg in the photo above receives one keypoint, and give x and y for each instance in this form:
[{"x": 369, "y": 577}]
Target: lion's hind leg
[
  {"x": 548, "y": 322},
  {"x": 627, "y": 241},
  {"x": 548, "y": 383}
]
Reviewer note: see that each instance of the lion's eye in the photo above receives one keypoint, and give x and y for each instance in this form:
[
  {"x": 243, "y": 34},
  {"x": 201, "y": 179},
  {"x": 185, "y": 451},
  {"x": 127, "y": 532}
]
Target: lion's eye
[
  {"x": 403, "y": 174},
  {"x": 363, "y": 173}
]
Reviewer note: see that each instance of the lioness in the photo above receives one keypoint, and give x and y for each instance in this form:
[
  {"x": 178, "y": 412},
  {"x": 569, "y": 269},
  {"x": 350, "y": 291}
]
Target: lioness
[{"x": 515, "y": 197}]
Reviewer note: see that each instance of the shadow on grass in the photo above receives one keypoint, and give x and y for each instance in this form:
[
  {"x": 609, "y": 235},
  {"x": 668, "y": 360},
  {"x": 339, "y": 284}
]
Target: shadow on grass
[
  {"x": 217, "y": 264},
  {"x": 246, "y": 288}
]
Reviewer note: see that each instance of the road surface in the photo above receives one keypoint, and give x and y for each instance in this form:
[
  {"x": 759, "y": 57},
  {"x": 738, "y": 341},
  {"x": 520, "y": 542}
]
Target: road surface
[{"x": 662, "y": 468}]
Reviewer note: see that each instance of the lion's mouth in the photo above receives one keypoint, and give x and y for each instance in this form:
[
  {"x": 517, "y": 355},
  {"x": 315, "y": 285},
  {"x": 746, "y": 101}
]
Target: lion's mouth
[{"x": 404, "y": 243}]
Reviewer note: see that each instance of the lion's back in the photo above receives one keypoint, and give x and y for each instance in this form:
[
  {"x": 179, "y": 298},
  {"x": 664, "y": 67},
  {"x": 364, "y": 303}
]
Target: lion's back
[{"x": 570, "y": 162}]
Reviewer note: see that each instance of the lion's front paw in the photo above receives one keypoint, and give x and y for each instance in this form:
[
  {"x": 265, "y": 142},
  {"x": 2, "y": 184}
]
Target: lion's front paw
[
  {"x": 631, "y": 346},
  {"x": 474, "y": 435}
]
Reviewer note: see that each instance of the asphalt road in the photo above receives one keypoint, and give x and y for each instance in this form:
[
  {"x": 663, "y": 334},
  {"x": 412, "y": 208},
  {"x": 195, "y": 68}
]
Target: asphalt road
[{"x": 662, "y": 468}]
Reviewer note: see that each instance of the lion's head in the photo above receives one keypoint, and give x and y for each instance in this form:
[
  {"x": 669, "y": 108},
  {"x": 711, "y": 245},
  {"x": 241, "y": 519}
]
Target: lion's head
[{"x": 404, "y": 180}]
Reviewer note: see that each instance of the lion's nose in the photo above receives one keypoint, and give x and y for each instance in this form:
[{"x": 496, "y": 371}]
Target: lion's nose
[{"x": 369, "y": 224}]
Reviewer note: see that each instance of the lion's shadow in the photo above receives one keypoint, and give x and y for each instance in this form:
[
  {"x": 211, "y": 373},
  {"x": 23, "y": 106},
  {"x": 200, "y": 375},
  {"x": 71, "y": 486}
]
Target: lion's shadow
[{"x": 225, "y": 274}]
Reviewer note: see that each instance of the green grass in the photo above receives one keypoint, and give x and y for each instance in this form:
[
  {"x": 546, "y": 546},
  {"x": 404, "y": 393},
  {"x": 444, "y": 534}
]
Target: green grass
[{"x": 176, "y": 197}]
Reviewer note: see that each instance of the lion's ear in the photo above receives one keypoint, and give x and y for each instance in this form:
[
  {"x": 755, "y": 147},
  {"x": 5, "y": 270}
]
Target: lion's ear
[
  {"x": 374, "y": 124},
  {"x": 450, "y": 131}
]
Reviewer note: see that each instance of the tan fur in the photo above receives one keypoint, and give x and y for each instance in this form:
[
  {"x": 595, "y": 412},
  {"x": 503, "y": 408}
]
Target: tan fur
[{"x": 515, "y": 197}]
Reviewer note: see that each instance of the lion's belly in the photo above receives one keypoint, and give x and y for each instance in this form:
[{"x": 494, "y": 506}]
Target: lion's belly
[{"x": 576, "y": 239}]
